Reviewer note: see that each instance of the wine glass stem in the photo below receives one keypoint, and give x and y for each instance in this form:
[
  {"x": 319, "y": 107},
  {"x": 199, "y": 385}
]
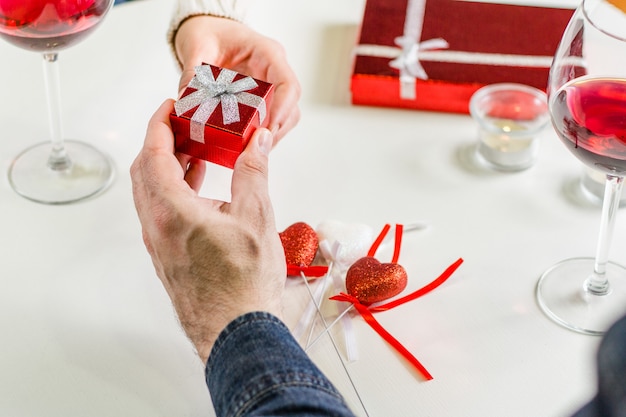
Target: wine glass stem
[
  {"x": 58, "y": 159},
  {"x": 598, "y": 283}
]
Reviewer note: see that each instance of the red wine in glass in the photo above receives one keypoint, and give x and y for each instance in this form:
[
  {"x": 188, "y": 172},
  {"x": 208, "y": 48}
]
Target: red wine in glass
[
  {"x": 58, "y": 171},
  {"x": 48, "y": 24},
  {"x": 590, "y": 118}
]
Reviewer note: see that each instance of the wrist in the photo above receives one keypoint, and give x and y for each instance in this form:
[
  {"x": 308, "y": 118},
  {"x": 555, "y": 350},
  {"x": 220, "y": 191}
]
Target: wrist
[{"x": 204, "y": 327}]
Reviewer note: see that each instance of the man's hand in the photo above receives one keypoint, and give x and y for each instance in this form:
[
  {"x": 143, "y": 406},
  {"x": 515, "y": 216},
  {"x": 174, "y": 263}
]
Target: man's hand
[{"x": 216, "y": 260}]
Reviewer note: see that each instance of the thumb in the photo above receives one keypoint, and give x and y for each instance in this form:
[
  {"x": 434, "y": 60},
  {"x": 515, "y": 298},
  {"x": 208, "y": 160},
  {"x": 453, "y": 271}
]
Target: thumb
[{"x": 249, "y": 188}]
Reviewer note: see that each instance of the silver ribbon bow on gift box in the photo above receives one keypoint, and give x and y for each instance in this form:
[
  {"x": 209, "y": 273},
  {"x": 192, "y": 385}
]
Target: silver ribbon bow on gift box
[{"x": 210, "y": 92}]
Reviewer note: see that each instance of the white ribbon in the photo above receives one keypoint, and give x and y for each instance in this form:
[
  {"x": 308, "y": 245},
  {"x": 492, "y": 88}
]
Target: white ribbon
[
  {"x": 210, "y": 92},
  {"x": 332, "y": 254},
  {"x": 307, "y": 316},
  {"x": 409, "y": 62}
]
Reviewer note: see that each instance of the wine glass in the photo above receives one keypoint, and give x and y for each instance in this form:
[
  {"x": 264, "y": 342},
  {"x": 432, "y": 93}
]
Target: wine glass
[
  {"x": 57, "y": 171},
  {"x": 587, "y": 100}
]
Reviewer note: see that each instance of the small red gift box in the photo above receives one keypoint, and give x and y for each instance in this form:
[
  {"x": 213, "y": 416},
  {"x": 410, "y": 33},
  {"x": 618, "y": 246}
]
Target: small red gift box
[
  {"x": 218, "y": 112},
  {"x": 434, "y": 54}
]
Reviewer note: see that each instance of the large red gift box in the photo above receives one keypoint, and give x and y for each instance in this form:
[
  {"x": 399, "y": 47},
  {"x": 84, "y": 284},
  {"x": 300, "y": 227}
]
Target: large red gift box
[
  {"x": 434, "y": 54},
  {"x": 217, "y": 113}
]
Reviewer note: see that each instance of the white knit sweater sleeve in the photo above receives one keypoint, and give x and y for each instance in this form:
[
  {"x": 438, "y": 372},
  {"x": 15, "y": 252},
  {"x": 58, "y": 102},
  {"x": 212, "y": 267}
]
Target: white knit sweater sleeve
[{"x": 231, "y": 9}]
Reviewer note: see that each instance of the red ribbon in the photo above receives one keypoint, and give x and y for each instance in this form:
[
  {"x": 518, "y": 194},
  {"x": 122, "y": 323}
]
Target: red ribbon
[
  {"x": 381, "y": 237},
  {"x": 369, "y": 319},
  {"x": 422, "y": 291},
  {"x": 366, "y": 312},
  {"x": 314, "y": 271}
]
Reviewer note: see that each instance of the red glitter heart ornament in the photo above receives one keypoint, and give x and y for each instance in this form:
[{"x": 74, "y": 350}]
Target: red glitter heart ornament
[
  {"x": 370, "y": 281},
  {"x": 300, "y": 243}
]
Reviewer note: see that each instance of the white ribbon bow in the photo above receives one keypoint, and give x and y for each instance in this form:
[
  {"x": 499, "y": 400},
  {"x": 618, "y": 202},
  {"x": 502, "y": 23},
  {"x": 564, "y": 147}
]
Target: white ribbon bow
[
  {"x": 212, "y": 91},
  {"x": 409, "y": 62}
]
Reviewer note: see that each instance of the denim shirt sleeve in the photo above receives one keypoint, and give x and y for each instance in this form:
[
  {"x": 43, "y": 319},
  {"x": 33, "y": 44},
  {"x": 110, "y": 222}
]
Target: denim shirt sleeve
[
  {"x": 256, "y": 368},
  {"x": 610, "y": 399}
]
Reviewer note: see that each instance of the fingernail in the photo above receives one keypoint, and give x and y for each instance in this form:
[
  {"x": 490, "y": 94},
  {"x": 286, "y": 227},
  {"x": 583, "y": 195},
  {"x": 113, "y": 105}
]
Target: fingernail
[{"x": 265, "y": 141}]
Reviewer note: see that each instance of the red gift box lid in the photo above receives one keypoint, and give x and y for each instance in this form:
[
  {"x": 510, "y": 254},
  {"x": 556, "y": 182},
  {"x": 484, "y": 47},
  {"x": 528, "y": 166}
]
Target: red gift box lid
[{"x": 486, "y": 43}]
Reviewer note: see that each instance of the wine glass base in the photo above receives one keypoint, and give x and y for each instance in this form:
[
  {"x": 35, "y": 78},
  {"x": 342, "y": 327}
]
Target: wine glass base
[
  {"x": 90, "y": 173},
  {"x": 562, "y": 297}
]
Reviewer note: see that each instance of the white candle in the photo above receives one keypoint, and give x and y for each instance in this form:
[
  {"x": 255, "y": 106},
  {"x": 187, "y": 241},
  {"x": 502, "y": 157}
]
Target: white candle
[{"x": 510, "y": 118}]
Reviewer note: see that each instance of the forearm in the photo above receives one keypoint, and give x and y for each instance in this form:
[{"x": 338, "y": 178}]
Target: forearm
[{"x": 256, "y": 368}]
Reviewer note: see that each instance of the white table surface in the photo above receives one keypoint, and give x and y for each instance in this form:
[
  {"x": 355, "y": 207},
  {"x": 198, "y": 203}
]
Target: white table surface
[{"x": 87, "y": 329}]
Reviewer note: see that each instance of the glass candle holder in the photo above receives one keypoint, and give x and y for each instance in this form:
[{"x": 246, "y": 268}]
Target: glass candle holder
[{"x": 510, "y": 118}]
